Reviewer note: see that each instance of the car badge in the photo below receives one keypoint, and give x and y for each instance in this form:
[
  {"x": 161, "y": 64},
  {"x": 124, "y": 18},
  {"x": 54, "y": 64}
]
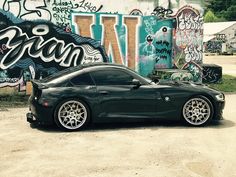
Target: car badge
[{"x": 167, "y": 98}]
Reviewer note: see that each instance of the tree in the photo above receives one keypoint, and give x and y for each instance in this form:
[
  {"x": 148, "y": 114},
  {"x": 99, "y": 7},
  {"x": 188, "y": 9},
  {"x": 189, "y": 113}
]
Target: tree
[
  {"x": 230, "y": 13},
  {"x": 222, "y": 9},
  {"x": 210, "y": 17}
]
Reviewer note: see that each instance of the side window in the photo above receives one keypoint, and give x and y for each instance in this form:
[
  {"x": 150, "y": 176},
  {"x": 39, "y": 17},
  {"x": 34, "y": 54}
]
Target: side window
[
  {"x": 111, "y": 77},
  {"x": 82, "y": 79}
]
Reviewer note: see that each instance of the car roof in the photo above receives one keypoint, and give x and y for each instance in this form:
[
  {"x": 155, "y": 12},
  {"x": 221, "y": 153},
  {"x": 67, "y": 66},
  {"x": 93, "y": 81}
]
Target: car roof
[{"x": 87, "y": 67}]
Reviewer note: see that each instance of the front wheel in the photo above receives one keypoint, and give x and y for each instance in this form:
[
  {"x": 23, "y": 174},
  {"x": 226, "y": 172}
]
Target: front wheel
[
  {"x": 198, "y": 111},
  {"x": 72, "y": 115}
]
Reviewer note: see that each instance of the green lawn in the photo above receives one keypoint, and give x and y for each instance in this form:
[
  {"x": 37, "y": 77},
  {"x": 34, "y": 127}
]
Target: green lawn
[{"x": 228, "y": 84}]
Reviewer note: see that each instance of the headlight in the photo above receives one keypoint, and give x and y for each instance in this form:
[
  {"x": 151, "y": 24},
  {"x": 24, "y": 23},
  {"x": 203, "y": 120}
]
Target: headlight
[{"x": 220, "y": 97}]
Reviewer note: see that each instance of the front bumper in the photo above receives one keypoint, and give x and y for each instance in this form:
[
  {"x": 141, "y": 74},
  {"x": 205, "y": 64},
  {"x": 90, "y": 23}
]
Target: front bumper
[{"x": 219, "y": 110}]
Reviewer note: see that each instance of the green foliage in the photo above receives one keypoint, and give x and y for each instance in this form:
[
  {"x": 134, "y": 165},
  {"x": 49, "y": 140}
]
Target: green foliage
[
  {"x": 210, "y": 17},
  {"x": 14, "y": 100},
  {"x": 228, "y": 84},
  {"x": 224, "y": 10},
  {"x": 230, "y": 14}
]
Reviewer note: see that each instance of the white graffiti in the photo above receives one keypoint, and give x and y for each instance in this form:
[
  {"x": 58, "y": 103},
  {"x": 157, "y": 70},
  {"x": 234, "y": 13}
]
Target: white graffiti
[
  {"x": 188, "y": 37},
  {"x": 27, "y": 10},
  {"x": 90, "y": 55},
  {"x": 19, "y": 43},
  {"x": 189, "y": 21},
  {"x": 193, "y": 53},
  {"x": 181, "y": 77},
  {"x": 32, "y": 71},
  {"x": 11, "y": 82}
]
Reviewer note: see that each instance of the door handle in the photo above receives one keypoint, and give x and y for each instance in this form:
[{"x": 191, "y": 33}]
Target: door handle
[{"x": 103, "y": 92}]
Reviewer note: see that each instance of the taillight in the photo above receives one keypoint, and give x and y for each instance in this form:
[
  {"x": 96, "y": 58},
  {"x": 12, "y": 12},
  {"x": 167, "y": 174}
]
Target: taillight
[{"x": 45, "y": 103}]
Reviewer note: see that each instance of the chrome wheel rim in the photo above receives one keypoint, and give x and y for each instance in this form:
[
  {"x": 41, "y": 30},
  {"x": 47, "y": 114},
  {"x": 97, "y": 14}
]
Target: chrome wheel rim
[
  {"x": 196, "y": 111},
  {"x": 72, "y": 115}
]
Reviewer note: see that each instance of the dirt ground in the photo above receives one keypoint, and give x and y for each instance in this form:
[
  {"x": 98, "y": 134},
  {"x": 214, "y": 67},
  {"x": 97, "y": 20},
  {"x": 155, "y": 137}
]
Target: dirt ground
[{"x": 160, "y": 149}]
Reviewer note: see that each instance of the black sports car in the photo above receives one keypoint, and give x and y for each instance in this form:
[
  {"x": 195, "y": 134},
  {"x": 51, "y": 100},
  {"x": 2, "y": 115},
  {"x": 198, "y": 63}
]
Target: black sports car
[{"x": 93, "y": 92}]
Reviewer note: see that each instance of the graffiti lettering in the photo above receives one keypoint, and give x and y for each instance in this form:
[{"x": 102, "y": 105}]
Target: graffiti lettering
[
  {"x": 62, "y": 10},
  {"x": 148, "y": 28},
  {"x": 166, "y": 43},
  {"x": 189, "y": 40},
  {"x": 193, "y": 54},
  {"x": 53, "y": 49},
  {"x": 163, "y": 51},
  {"x": 188, "y": 21},
  {"x": 188, "y": 37},
  {"x": 212, "y": 73},
  {"x": 136, "y": 12},
  {"x": 213, "y": 46},
  {"x": 161, "y": 12},
  {"x": 10, "y": 81},
  {"x": 13, "y": 6},
  {"x": 88, "y": 7},
  {"x": 27, "y": 9}
]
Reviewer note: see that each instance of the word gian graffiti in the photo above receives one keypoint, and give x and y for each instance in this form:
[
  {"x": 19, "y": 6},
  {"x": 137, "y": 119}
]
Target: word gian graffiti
[
  {"x": 19, "y": 43},
  {"x": 33, "y": 50}
]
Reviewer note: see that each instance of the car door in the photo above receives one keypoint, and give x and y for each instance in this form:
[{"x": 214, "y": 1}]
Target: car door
[{"x": 118, "y": 97}]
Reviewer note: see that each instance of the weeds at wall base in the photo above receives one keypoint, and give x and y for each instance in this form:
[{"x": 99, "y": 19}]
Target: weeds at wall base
[{"x": 15, "y": 100}]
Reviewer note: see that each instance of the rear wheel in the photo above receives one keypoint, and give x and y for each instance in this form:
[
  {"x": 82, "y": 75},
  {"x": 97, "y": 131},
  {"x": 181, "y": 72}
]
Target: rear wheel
[
  {"x": 198, "y": 111},
  {"x": 72, "y": 115}
]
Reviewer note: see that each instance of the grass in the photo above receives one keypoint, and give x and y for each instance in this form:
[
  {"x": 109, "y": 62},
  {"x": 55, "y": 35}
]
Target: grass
[
  {"x": 15, "y": 100},
  {"x": 227, "y": 85}
]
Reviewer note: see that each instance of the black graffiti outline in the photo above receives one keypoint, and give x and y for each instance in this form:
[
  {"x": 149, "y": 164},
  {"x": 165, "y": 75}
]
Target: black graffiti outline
[
  {"x": 38, "y": 12},
  {"x": 162, "y": 12},
  {"x": 18, "y": 43},
  {"x": 6, "y": 6}
]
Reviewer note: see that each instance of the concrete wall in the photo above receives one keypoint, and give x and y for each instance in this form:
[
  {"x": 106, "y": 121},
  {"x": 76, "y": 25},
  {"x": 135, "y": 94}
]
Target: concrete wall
[{"x": 138, "y": 33}]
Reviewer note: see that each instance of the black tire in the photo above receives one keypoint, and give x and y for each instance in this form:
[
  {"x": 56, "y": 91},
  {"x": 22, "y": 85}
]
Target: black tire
[
  {"x": 72, "y": 114},
  {"x": 198, "y": 111}
]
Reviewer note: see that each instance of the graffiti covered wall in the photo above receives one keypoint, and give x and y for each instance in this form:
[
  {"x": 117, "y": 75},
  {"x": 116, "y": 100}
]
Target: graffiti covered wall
[
  {"x": 189, "y": 41},
  {"x": 140, "y": 34},
  {"x": 139, "y": 42},
  {"x": 36, "y": 49}
]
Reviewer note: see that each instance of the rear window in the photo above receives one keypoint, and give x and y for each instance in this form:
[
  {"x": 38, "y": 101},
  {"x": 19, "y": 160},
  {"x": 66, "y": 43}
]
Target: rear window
[
  {"x": 60, "y": 73},
  {"x": 82, "y": 79}
]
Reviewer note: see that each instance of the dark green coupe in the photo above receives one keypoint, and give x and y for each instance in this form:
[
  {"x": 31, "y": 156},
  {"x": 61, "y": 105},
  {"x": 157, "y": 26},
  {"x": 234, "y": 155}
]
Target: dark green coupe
[{"x": 96, "y": 92}]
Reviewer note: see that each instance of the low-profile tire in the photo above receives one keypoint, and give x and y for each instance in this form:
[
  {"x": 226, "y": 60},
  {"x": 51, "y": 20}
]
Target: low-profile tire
[
  {"x": 198, "y": 111},
  {"x": 71, "y": 115}
]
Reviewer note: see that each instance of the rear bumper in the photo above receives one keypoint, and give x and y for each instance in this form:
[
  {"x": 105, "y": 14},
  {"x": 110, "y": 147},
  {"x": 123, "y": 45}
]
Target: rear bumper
[
  {"x": 39, "y": 114},
  {"x": 30, "y": 118}
]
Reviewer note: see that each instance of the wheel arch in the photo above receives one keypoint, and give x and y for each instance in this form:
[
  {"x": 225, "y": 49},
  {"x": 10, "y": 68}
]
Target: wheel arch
[
  {"x": 63, "y": 99},
  {"x": 208, "y": 97}
]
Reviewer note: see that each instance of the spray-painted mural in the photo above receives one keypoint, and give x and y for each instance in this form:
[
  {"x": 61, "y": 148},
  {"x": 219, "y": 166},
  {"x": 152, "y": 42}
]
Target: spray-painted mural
[
  {"x": 188, "y": 49},
  {"x": 140, "y": 42},
  {"x": 32, "y": 50},
  {"x": 159, "y": 34}
]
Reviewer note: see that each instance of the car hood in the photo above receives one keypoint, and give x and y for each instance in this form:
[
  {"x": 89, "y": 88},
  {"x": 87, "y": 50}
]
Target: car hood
[{"x": 190, "y": 86}]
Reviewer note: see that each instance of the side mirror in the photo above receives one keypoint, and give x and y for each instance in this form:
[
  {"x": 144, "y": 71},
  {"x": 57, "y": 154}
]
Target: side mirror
[{"x": 136, "y": 83}]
